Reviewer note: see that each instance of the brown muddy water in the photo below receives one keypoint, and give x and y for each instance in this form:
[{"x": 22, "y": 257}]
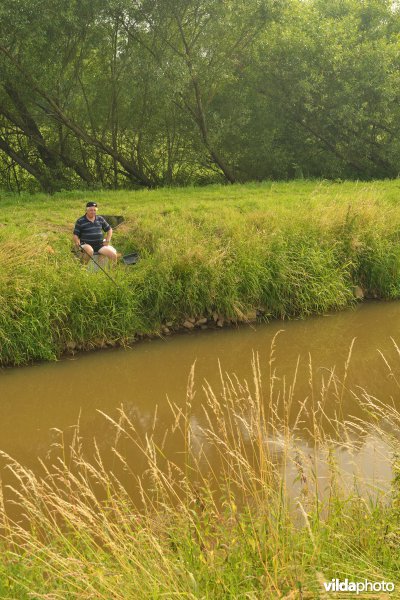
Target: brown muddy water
[{"x": 37, "y": 401}]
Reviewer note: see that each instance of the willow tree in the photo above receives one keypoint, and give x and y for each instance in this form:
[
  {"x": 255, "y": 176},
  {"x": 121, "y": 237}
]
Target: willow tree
[
  {"x": 116, "y": 93},
  {"x": 330, "y": 73},
  {"x": 201, "y": 47},
  {"x": 63, "y": 68}
]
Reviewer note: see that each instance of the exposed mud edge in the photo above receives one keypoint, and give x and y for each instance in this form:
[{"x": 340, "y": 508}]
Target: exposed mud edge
[
  {"x": 190, "y": 324},
  {"x": 195, "y": 325}
]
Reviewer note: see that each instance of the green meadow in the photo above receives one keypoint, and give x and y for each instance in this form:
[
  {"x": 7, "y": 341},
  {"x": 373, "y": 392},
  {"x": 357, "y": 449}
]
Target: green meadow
[{"x": 286, "y": 249}]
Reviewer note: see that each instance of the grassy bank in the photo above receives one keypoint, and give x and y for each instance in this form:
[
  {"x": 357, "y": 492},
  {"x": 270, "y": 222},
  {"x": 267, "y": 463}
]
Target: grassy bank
[
  {"x": 287, "y": 249},
  {"x": 246, "y": 508}
]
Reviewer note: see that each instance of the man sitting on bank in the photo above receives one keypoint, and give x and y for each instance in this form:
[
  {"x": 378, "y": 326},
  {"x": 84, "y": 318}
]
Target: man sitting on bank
[{"x": 88, "y": 234}]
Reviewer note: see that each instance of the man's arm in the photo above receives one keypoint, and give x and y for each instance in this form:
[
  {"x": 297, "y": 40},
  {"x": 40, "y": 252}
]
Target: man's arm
[
  {"x": 76, "y": 234},
  {"x": 108, "y": 236},
  {"x": 108, "y": 230}
]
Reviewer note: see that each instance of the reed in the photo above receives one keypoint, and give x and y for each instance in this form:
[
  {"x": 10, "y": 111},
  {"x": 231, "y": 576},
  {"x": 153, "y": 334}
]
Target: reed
[
  {"x": 252, "y": 506},
  {"x": 288, "y": 250}
]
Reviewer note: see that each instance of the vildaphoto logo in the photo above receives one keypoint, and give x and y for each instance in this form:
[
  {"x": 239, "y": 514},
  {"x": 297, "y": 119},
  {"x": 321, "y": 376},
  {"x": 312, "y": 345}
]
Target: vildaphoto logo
[{"x": 359, "y": 587}]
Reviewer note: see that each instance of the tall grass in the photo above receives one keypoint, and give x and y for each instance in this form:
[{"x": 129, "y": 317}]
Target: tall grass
[
  {"x": 288, "y": 250},
  {"x": 245, "y": 509}
]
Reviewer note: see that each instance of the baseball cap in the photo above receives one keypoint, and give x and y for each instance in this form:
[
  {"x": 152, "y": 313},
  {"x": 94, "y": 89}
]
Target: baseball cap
[{"x": 88, "y": 204}]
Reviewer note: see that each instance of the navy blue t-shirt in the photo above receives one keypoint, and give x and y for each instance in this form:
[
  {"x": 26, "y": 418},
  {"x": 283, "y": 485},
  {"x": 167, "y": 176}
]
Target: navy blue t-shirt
[{"x": 91, "y": 232}]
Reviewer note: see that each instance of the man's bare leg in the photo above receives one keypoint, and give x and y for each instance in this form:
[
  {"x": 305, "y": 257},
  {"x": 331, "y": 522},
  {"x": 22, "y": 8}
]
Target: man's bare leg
[
  {"x": 87, "y": 252},
  {"x": 109, "y": 252}
]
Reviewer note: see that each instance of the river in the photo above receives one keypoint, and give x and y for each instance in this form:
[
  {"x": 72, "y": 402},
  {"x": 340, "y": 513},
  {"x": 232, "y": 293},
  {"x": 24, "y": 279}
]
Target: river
[{"x": 40, "y": 400}]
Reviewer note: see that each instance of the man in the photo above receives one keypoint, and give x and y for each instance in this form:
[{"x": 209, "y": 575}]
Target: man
[{"x": 88, "y": 233}]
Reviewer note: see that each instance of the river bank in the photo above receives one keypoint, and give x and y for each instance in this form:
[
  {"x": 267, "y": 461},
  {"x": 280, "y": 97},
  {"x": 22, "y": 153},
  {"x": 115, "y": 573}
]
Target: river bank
[{"x": 225, "y": 254}]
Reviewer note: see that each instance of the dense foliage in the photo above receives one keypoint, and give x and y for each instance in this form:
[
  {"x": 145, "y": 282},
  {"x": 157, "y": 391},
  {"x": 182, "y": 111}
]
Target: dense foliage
[{"x": 115, "y": 93}]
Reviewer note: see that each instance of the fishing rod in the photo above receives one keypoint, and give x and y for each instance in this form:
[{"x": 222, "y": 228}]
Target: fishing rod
[{"x": 100, "y": 267}]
